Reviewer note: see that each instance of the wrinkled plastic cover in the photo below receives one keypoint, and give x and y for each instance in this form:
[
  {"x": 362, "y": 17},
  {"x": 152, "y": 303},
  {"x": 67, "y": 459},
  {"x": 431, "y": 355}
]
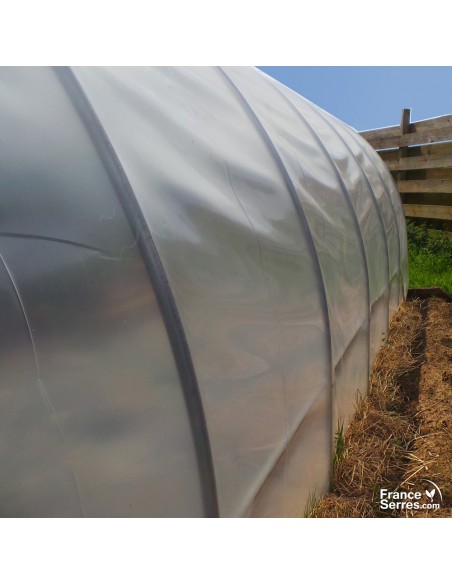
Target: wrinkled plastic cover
[{"x": 283, "y": 239}]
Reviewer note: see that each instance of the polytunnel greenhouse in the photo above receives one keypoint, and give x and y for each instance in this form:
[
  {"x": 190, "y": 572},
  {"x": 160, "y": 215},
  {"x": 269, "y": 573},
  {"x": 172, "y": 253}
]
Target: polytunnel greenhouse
[{"x": 197, "y": 269}]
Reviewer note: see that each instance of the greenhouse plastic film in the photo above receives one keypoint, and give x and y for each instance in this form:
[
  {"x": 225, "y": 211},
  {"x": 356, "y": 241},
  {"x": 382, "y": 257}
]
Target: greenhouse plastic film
[{"x": 197, "y": 268}]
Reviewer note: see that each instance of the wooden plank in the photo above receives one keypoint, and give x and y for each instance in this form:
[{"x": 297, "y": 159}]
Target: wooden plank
[
  {"x": 420, "y": 127},
  {"x": 431, "y": 124},
  {"x": 389, "y": 132},
  {"x": 428, "y": 211},
  {"x": 382, "y": 143},
  {"x": 425, "y": 186},
  {"x": 412, "y": 139},
  {"x": 427, "y": 137},
  {"x": 432, "y": 173},
  {"x": 418, "y": 162},
  {"x": 432, "y": 150},
  {"x": 438, "y": 150}
]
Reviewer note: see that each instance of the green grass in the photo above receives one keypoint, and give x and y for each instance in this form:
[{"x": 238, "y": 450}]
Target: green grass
[{"x": 429, "y": 258}]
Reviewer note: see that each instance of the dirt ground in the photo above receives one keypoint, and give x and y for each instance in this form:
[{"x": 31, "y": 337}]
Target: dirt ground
[{"x": 400, "y": 438}]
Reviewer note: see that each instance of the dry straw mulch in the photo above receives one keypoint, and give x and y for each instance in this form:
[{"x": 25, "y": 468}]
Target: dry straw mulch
[{"x": 402, "y": 431}]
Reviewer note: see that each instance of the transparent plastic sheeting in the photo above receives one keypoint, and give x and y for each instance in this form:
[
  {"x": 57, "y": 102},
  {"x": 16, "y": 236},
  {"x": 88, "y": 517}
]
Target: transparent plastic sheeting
[{"x": 281, "y": 242}]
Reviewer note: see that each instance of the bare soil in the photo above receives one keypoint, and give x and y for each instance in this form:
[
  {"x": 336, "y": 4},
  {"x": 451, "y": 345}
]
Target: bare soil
[{"x": 401, "y": 435}]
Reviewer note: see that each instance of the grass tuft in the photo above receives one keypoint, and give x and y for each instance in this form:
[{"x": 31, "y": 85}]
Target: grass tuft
[{"x": 339, "y": 444}]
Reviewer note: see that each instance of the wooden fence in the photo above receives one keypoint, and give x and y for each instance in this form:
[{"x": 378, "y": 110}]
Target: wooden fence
[{"x": 419, "y": 156}]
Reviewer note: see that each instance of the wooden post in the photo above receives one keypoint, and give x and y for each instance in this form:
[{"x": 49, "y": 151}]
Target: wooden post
[{"x": 404, "y": 129}]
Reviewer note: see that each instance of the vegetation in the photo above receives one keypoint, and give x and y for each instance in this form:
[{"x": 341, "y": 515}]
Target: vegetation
[{"x": 429, "y": 257}]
